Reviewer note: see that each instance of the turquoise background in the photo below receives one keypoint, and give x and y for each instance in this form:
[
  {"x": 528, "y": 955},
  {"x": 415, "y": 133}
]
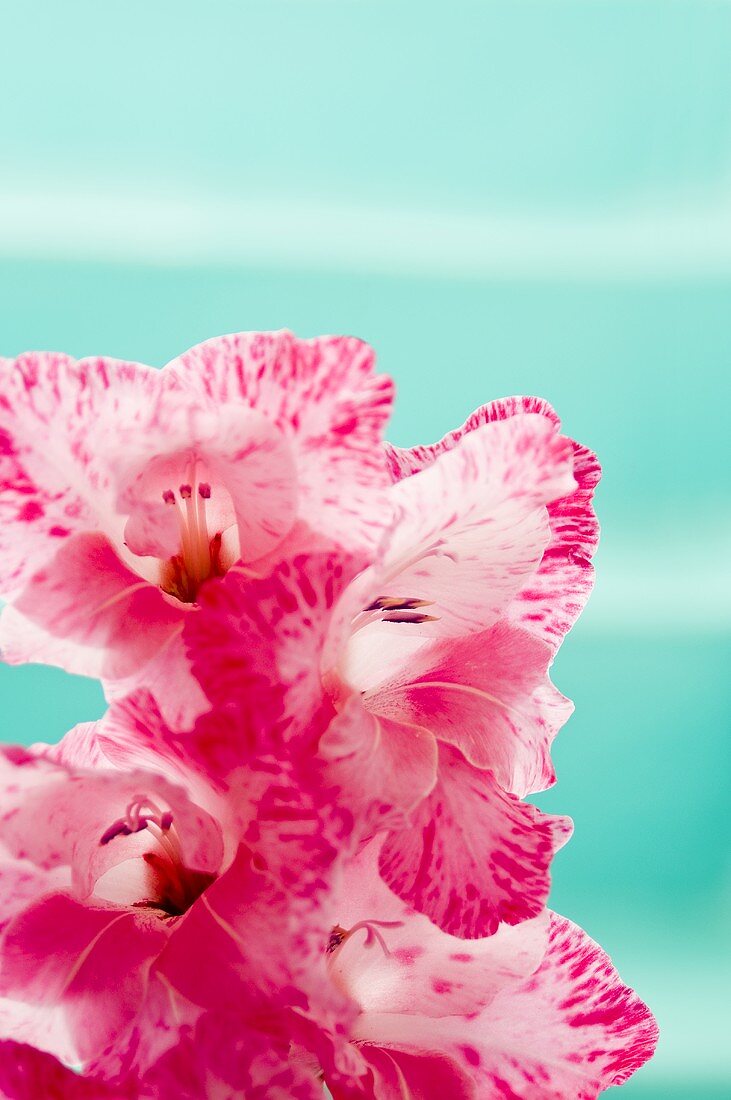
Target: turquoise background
[{"x": 501, "y": 197}]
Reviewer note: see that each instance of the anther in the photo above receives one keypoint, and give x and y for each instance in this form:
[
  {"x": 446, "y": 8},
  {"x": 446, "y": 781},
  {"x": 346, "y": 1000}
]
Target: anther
[
  {"x": 169, "y": 496},
  {"x": 204, "y": 490},
  {"x": 397, "y": 603},
  {"x": 186, "y": 492}
]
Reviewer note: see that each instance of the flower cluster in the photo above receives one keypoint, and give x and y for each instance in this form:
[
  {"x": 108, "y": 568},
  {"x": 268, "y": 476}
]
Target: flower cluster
[{"x": 296, "y": 852}]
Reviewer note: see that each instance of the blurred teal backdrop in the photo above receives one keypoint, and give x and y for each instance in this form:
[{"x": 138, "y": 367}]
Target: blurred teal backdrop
[{"x": 502, "y": 197}]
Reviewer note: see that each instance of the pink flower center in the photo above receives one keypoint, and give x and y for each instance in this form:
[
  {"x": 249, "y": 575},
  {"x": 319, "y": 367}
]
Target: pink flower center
[
  {"x": 200, "y": 552},
  {"x": 173, "y": 886}
]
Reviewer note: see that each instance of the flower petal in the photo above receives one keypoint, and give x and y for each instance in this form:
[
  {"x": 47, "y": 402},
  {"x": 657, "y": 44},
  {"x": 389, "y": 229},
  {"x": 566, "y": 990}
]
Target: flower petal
[
  {"x": 258, "y": 642},
  {"x": 247, "y": 463},
  {"x": 557, "y": 594},
  {"x": 418, "y": 969},
  {"x": 78, "y": 807},
  {"x": 474, "y": 855},
  {"x": 28, "y": 1074},
  {"x": 489, "y": 695},
  {"x": 550, "y": 604},
  {"x": 61, "y": 953},
  {"x": 411, "y": 1075},
  {"x": 323, "y": 396},
  {"x": 59, "y": 427},
  {"x": 572, "y": 1029},
  {"x": 383, "y": 766},
  {"x": 226, "y": 1057},
  {"x": 114, "y": 621},
  {"x": 470, "y": 531},
  {"x": 251, "y": 956}
]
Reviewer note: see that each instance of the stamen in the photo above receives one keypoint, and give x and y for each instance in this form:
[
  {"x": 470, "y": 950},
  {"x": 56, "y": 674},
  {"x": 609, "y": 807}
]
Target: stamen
[
  {"x": 199, "y": 556},
  {"x": 397, "y": 603},
  {"x": 394, "y": 609},
  {"x": 340, "y": 936},
  {"x": 134, "y": 821},
  {"x": 408, "y": 617},
  {"x": 336, "y": 937},
  {"x": 174, "y": 886}
]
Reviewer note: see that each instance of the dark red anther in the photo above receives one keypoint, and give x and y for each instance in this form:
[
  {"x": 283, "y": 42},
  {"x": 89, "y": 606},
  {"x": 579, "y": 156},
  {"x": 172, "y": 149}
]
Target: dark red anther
[{"x": 336, "y": 937}]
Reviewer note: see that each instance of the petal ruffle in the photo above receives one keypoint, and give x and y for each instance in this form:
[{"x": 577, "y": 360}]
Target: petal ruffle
[
  {"x": 572, "y": 1029},
  {"x": 472, "y": 526},
  {"x": 474, "y": 856},
  {"x": 323, "y": 396},
  {"x": 61, "y": 429},
  {"x": 551, "y": 603}
]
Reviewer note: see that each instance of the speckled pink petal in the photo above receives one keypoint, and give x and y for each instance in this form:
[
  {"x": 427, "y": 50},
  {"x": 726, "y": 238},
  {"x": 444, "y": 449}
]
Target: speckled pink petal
[
  {"x": 572, "y": 1029},
  {"x": 489, "y": 695},
  {"x": 417, "y": 969},
  {"x": 258, "y": 642},
  {"x": 168, "y": 679},
  {"x": 114, "y": 620},
  {"x": 474, "y": 856},
  {"x": 253, "y": 951},
  {"x": 555, "y": 596},
  {"x": 55, "y": 477},
  {"x": 383, "y": 766},
  {"x": 227, "y": 1058},
  {"x": 323, "y": 396},
  {"x": 60, "y": 951},
  {"x": 469, "y": 532}
]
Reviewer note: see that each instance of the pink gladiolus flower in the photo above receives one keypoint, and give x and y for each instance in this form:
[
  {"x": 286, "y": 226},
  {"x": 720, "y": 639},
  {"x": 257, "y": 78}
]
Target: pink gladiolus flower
[
  {"x": 297, "y": 851},
  {"x": 387, "y": 1001},
  {"x": 100, "y": 959},
  {"x": 559, "y": 588},
  {"x": 534, "y": 1011},
  {"x": 99, "y": 866},
  {"x": 124, "y": 489},
  {"x": 436, "y": 709}
]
